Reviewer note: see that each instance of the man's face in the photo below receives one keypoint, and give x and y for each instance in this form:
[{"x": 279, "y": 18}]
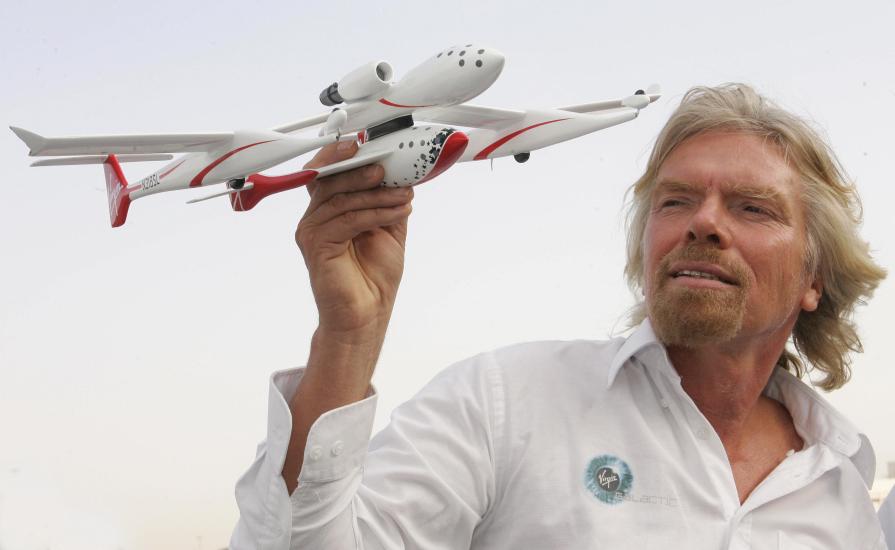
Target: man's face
[{"x": 724, "y": 249}]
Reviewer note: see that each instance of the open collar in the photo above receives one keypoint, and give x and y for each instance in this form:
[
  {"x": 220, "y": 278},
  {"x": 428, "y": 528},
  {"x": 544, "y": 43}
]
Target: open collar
[{"x": 815, "y": 419}]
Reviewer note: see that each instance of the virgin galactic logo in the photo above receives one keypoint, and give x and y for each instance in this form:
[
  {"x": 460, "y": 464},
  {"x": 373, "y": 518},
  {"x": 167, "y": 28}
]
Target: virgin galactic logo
[{"x": 609, "y": 479}]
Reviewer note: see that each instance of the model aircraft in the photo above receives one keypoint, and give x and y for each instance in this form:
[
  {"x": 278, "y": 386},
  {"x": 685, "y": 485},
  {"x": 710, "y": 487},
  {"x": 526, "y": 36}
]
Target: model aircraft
[{"x": 368, "y": 106}]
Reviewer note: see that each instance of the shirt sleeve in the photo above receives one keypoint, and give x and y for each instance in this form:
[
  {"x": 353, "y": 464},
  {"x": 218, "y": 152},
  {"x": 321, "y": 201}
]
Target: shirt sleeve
[{"x": 425, "y": 481}]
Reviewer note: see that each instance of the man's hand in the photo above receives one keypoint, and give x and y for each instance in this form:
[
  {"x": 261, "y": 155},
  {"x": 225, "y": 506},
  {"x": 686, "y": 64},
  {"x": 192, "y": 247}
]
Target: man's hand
[{"x": 352, "y": 238}]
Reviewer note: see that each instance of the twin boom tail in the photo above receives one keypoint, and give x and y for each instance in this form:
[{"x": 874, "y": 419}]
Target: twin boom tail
[{"x": 117, "y": 190}]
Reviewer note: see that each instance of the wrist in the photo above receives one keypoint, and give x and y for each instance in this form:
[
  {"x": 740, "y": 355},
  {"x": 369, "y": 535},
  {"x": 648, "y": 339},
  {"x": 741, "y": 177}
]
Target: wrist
[{"x": 341, "y": 364}]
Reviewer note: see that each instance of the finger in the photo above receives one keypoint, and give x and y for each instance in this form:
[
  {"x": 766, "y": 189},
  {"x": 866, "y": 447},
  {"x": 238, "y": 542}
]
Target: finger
[
  {"x": 334, "y": 152},
  {"x": 339, "y": 204},
  {"x": 354, "y": 222},
  {"x": 350, "y": 181}
]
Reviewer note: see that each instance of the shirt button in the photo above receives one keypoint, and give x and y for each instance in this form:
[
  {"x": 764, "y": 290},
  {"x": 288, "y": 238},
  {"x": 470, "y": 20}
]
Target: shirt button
[
  {"x": 337, "y": 448},
  {"x": 316, "y": 452}
]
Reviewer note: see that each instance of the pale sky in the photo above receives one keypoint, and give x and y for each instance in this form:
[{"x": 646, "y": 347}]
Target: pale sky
[{"x": 134, "y": 362}]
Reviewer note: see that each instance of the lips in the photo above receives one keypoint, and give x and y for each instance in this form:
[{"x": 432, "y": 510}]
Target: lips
[{"x": 702, "y": 270}]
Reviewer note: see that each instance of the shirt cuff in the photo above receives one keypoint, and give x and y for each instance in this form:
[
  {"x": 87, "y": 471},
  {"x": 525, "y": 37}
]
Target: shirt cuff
[{"x": 338, "y": 440}]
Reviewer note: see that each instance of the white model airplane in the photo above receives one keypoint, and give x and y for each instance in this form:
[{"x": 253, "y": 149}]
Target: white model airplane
[{"x": 381, "y": 112}]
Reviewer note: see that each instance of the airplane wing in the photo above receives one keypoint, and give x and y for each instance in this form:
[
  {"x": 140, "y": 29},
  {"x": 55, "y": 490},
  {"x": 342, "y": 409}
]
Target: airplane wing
[
  {"x": 653, "y": 93},
  {"x": 360, "y": 159},
  {"x": 471, "y": 116},
  {"x": 41, "y": 146}
]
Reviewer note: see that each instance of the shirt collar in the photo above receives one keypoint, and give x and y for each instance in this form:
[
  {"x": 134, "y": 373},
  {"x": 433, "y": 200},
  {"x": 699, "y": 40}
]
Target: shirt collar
[
  {"x": 817, "y": 421},
  {"x": 814, "y": 418},
  {"x": 642, "y": 338}
]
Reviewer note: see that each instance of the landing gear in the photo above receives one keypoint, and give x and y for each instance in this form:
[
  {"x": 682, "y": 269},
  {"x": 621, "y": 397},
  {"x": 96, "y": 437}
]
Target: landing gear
[{"x": 521, "y": 157}]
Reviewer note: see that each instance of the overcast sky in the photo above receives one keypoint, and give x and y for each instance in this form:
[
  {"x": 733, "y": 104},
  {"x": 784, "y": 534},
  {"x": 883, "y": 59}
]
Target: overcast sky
[{"x": 134, "y": 362}]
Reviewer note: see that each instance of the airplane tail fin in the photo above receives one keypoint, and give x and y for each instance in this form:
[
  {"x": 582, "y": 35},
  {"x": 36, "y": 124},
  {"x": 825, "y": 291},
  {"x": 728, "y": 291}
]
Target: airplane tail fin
[{"x": 118, "y": 193}]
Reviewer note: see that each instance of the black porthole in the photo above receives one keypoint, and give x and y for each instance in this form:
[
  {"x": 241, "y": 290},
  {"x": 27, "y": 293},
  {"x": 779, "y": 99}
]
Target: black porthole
[
  {"x": 450, "y": 52},
  {"x": 481, "y": 51},
  {"x": 428, "y": 128},
  {"x": 469, "y": 45},
  {"x": 422, "y": 156},
  {"x": 478, "y": 62},
  {"x": 422, "y": 142},
  {"x": 401, "y": 145},
  {"x": 410, "y": 144},
  {"x": 463, "y": 53},
  {"x": 462, "y": 62},
  {"x": 439, "y": 54}
]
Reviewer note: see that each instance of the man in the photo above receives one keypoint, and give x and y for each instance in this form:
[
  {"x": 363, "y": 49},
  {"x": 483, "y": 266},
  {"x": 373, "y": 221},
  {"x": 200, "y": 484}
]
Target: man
[{"x": 690, "y": 433}]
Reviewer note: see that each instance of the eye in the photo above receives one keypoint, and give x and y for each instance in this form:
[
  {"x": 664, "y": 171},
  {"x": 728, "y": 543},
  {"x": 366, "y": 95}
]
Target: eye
[
  {"x": 668, "y": 203},
  {"x": 755, "y": 209}
]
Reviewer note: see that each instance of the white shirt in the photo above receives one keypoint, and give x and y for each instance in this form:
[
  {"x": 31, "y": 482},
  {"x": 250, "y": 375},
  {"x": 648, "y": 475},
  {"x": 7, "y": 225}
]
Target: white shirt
[{"x": 554, "y": 445}]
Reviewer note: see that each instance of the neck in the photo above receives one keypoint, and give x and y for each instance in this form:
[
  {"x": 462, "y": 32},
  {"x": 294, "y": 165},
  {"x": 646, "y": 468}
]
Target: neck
[{"x": 726, "y": 382}]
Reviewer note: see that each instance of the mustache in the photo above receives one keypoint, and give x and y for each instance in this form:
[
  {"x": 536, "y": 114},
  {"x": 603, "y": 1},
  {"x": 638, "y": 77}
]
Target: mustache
[{"x": 701, "y": 253}]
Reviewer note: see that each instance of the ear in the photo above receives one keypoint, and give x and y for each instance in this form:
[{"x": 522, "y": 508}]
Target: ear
[{"x": 812, "y": 295}]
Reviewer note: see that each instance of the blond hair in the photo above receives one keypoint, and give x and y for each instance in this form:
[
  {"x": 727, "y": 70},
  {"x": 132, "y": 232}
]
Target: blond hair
[{"x": 836, "y": 253}]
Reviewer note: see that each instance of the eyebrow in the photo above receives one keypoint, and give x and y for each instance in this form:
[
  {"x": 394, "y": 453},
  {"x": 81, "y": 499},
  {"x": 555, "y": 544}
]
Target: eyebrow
[{"x": 765, "y": 194}]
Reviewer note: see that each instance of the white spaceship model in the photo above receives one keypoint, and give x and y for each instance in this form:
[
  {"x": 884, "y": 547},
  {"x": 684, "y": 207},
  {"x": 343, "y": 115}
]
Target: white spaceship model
[{"x": 412, "y": 127}]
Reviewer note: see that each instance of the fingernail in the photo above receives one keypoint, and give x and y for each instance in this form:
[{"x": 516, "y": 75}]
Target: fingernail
[
  {"x": 345, "y": 145},
  {"x": 371, "y": 170}
]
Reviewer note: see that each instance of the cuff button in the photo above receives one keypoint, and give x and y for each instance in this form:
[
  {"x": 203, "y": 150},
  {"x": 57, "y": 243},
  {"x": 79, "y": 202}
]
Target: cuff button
[
  {"x": 337, "y": 448},
  {"x": 316, "y": 453}
]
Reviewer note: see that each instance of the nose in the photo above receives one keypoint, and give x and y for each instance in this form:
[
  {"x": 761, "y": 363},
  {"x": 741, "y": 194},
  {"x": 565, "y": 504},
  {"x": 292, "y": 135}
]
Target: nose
[{"x": 709, "y": 224}]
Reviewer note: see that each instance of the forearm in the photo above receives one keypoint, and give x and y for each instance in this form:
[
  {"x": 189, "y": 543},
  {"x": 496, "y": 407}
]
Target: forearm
[{"x": 338, "y": 373}]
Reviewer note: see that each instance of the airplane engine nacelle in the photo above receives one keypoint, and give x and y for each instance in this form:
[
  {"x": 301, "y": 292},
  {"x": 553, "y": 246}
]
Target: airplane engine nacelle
[
  {"x": 418, "y": 154},
  {"x": 366, "y": 80}
]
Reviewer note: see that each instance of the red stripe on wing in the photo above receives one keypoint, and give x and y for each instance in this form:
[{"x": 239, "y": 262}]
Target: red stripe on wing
[
  {"x": 197, "y": 181},
  {"x": 483, "y": 154}
]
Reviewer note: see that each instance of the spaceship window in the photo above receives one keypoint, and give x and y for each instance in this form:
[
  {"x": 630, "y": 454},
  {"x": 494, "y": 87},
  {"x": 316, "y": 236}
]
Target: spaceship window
[
  {"x": 439, "y": 54},
  {"x": 478, "y": 62},
  {"x": 481, "y": 51},
  {"x": 422, "y": 142},
  {"x": 450, "y": 52},
  {"x": 410, "y": 144},
  {"x": 469, "y": 45},
  {"x": 462, "y": 62},
  {"x": 463, "y": 53},
  {"x": 401, "y": 145}
]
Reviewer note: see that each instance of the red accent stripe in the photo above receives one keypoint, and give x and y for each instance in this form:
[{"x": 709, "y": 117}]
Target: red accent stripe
[
  {"x": 390, "y": 104},
  {"x": 450, "y": 153},
  {"x": 162, "y": 176},
  {"x": 483, "y": 154},
  {"x": 197, "y": 181}
]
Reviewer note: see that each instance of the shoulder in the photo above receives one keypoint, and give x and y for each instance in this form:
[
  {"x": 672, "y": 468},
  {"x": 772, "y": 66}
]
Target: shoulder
[{"x": 545, "y": 366}]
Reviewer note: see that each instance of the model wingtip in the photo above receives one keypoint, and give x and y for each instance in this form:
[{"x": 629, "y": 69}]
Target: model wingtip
[{"x": 32, "y": 140}]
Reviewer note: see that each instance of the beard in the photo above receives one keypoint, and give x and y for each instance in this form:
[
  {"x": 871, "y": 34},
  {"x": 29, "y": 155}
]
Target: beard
[{"x": 694, "y": 317}]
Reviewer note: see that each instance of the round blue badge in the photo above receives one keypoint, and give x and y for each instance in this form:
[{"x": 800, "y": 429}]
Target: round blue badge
[{"x": 608, "y": 478}]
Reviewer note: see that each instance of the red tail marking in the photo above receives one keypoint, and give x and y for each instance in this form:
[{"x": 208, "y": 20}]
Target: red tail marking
[
  {"x": 197, "y": 181},
  {"x": 450, "y": 153},
  {"x": 268, "y": 185},
  {"x": 483, "y": 154},
  {"x": 118, "y": 193}
]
